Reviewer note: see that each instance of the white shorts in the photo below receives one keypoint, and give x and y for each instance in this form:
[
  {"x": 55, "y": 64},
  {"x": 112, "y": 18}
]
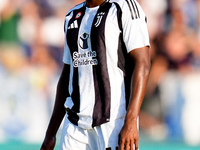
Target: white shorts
[{"x": 104, "y": 137}]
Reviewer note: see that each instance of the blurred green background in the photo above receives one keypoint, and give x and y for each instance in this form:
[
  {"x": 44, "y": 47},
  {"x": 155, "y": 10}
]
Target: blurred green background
[{"x": 145, "y": 144}]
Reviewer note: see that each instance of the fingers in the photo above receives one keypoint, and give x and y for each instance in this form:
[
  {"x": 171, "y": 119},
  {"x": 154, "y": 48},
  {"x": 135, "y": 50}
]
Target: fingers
[
  {"x": 125, "y": 145},
  {"x": 121, "y": 145},
  {"x": 136, "y": 144},
  {"x": 131, "y": 145},
  {"x": 128, "y": 143}
]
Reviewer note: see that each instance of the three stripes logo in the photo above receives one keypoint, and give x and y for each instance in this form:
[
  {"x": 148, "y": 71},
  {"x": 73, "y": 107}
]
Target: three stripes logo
[
  {"x": 133, "y": 9},
  {"x": 73, "y": 25}
]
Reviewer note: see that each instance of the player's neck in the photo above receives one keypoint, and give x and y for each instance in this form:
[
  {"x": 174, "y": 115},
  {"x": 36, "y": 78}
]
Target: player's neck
[{"x": 94, "y": 3}]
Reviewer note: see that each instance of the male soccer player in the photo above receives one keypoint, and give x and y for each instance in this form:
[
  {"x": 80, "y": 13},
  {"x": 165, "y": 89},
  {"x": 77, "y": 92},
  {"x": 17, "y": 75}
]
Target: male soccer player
[{"x": 105, "y": 41}]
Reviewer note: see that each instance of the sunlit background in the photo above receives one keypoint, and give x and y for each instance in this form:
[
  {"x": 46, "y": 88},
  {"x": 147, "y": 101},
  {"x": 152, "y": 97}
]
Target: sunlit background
[{"x": 31, "y": 49}]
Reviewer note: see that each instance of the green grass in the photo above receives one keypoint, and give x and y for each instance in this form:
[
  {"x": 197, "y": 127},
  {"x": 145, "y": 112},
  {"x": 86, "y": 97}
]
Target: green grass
[
  {"x": 145, "y": 144},
  {"x": 20, "y": 145},
  {"x": 166, "y": 145}
]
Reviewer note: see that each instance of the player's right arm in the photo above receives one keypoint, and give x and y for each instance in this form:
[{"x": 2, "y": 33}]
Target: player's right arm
[{"x": 58, "y": 111}]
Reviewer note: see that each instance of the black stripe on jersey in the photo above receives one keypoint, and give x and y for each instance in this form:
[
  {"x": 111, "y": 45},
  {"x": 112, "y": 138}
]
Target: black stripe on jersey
[
  {"x": 124, "y": 59},
  {"x": 101, "y": 111},
  {"x": 136, "y": 9},
  {"x": 130, "y": 9},
  {"x": 119, "y": 15},
  {"x": 122, "y": 52},
  {"x": 72, "y": 36},
  {"x": 133, "y": 9}
]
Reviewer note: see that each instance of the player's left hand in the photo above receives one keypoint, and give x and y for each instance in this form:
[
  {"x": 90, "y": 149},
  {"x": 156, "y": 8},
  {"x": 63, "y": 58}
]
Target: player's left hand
[{"x": 129, "y": 136}]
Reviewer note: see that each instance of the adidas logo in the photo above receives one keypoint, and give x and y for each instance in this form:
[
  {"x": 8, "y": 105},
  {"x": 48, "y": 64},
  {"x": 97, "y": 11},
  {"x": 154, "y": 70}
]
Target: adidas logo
[{"x": 73, "y": 25}]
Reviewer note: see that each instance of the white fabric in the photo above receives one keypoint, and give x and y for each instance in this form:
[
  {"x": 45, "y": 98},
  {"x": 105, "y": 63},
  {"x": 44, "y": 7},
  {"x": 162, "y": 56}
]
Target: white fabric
[
  {"x": 135, "y": 32},
  {"x": 135, "y": 35},
  {"x": 98, "y": 138}
]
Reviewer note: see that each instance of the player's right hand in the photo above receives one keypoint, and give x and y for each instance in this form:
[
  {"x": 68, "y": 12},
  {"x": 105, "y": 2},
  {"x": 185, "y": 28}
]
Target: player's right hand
[{"x": 48, "y": 143}]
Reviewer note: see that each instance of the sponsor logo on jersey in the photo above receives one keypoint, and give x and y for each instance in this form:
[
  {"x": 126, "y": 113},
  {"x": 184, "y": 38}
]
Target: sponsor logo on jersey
[
  {"x": 83, "y": 40},
  {"x": 99, "y": 18},
  {"x": 84, "y": 59}
]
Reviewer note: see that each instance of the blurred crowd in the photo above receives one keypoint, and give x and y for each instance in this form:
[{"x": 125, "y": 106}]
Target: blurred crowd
[
  {"x": 31, "y": 49},
  {"x": 171, "y": 106}
]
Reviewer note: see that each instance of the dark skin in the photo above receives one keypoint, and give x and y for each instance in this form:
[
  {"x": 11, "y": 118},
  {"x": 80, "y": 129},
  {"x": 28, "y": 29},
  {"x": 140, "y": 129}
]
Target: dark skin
[
  {"x": 58, "y": 111},
  {"x": 129, "y": 135},
  {"x": 94, "y": 3}
]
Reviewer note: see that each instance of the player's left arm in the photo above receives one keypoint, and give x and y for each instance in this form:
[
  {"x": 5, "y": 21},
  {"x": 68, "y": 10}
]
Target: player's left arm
[{"x": 129, "y": 135}]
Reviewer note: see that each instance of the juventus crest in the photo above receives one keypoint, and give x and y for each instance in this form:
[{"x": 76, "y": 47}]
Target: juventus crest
[{"x": 99, "y": 18}]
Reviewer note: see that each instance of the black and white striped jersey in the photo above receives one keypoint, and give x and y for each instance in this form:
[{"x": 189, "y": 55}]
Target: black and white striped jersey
[{"x": 97, "y": 42}]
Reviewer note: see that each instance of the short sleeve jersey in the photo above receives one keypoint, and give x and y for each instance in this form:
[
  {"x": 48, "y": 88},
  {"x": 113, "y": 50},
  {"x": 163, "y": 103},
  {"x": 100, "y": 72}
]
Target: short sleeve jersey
[{"x": 97, "y": 43}]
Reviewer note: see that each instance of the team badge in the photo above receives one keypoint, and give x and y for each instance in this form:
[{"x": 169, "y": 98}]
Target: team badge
[
  {"x": 99, "y": 18},
  {"x": 78, "y": 15}
]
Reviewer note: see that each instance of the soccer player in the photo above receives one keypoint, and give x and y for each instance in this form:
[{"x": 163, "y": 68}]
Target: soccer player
[{"x": 103, "y": 81}]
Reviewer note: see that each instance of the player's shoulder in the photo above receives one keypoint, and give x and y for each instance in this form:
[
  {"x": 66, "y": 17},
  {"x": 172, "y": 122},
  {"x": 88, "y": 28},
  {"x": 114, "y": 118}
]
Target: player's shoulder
[
  {"x": 122, "y": 3},
  {"x": 78, "y": 6},
  {"x": 126, "y": 3},
  {"x": 129, "y": 6},
  {"x": 119, "y": 2}
]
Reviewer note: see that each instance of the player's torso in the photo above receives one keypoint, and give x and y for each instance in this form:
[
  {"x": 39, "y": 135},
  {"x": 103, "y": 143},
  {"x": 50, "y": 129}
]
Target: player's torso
[{"x": 93, "y": 40}]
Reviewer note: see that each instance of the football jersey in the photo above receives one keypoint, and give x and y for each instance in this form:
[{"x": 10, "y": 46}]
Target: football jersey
[{"x": 97, "y": 42}]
